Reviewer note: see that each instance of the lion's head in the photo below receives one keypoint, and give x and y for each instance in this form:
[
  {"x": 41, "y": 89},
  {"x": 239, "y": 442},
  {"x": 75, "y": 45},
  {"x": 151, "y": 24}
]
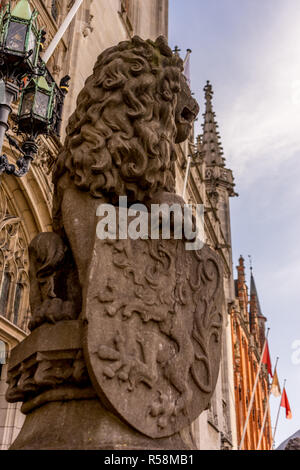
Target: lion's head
[{"x": 132, "y": 110}]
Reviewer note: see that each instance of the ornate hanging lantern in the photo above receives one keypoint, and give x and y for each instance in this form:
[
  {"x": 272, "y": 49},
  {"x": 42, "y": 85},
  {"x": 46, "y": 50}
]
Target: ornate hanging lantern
[
  {"x": 41, "y": 102},
  {"x": 19, "y": 38},
  {"x": 36, "y": 107}
]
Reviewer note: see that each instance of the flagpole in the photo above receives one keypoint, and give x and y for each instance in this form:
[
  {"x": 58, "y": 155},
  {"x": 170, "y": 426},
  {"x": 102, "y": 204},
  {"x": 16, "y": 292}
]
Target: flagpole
[
  {"x": 253, "y": 392},
  {"x": 277, "y": 419},
  {"x": 266, "y": 410},
  {"x": 186, "y": 176},
  {"x": 63, "y": 28},
  {"x": 188, "y": 53}
]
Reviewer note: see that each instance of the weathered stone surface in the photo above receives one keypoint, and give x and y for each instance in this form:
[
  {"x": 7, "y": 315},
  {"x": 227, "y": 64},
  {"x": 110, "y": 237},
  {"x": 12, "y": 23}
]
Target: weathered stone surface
[
  {"x": 149, "y": 311},
  {"x": 62, "y": 409},
  {"x": 55, "y": 294},
  {"x": 50, "y": 357},
  {"x": 85, "y": 424},
  {"x": 293, "y": 444},
  {"x": 153, "y": 334}
]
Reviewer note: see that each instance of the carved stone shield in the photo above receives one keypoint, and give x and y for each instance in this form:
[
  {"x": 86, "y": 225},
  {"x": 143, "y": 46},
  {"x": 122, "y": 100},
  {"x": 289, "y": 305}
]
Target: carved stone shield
[{"x": 153, "y": 331}]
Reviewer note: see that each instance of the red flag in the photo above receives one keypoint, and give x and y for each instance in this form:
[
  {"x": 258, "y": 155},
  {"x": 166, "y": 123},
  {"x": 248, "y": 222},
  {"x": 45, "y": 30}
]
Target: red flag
[
  {"x": 285, "y": 404},
  {"x": 267, "y": 359}
]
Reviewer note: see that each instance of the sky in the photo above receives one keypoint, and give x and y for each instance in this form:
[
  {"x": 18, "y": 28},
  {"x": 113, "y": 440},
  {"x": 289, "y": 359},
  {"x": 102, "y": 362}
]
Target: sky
[{"x": 250, "y": 51}]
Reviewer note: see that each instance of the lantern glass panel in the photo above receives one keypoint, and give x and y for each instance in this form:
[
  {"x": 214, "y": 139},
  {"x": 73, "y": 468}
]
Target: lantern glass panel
[
  {"x": 27, "y": 104},
  {"x": 16, "y": 36},
  {"x": 32, "y": 45},
  {"x": 41, "y": 104}
]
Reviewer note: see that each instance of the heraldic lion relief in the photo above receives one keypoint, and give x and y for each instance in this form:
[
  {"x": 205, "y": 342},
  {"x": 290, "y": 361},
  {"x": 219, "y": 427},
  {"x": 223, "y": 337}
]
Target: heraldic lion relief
[{"x": 150, "y": 311}]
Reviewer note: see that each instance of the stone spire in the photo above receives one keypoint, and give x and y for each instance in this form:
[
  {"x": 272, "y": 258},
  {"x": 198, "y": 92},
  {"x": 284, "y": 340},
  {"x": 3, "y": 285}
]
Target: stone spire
[
  {"x": 255, "y": 307},
  {"x": 256, "y": 318},
  {"x": 241, "y": 287},
  {"x": 218, "y": 178},
  {"x": 211, "y": 137}
]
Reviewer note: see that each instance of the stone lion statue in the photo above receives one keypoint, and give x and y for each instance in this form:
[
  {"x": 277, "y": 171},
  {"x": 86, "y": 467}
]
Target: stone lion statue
[
  {"x": 120, "y": 141},
  {"x": 148, "y": 312}
]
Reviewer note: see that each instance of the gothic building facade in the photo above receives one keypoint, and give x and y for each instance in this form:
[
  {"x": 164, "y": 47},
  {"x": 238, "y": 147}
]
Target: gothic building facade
[
  {"x": 26, "y": 203},
  {"x": 211, "y": 184},
  {"x": 248, "y": 338}
]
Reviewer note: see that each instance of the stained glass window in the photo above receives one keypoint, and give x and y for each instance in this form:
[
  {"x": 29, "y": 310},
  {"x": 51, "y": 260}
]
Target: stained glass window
[
  {"x": 3, "y": 355},
  {"x": 17, "y": 302},
  {"x": 2, "y": 352},
  {"x": 4, "y": 293}
]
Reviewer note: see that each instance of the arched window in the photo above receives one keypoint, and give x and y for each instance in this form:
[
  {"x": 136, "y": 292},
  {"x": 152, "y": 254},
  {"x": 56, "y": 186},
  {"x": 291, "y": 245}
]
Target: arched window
[
  {"x": 17, "y": 302},
  {"x": 4, "y": 295},
  {"x": 54, "y": 9},
  {"x": 3, "y": 355},
  {"x": 14, "y": 281}
]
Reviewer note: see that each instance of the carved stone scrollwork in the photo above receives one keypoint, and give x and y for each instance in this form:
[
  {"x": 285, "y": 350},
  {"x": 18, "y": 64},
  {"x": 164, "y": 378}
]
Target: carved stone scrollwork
[
  {"x": 37, "y": 367},
  {"x": 45, "y": 159},
  {"x": 88, "y": 28},
  {"x": 153, "y": 330},
  {"x": 218, "y": 176},
  {"x": 54, "y": 289},
  {"x": 56, "y": 70}
]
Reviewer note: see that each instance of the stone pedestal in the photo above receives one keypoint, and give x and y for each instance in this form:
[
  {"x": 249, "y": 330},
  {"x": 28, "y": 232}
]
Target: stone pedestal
[
  {"x": 84, "y": 424},
  {"x": 47, "y": 372}
]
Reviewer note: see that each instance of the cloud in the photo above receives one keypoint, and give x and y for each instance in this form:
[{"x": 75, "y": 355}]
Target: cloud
[{"x": 263, "y": 129}]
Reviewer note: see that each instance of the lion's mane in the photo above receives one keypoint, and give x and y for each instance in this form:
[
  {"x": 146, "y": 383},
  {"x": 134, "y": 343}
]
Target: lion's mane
[{"x": 120, "y": 139}]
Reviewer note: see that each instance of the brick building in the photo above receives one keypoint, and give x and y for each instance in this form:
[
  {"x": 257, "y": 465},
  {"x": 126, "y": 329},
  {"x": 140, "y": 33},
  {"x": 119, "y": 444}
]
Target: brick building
[{"x": 248, "y": 337}]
